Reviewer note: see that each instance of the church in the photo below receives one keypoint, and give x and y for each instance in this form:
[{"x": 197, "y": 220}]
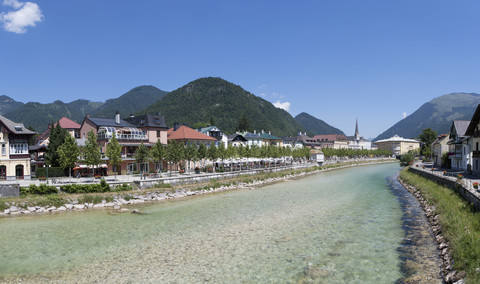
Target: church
[{"x": 358, "y": 143}]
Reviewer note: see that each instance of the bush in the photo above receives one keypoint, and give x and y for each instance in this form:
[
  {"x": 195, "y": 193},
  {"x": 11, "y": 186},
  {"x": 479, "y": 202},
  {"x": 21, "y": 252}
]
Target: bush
[
  {"x": 406, "y": 159},
  {"x": 39, "y": 190},
  {"x": 51, "y": 200},
  {"x": 122, "y": 187},
  {"x": 52, "y": 172},
  {"x": 84, "y": 188}
]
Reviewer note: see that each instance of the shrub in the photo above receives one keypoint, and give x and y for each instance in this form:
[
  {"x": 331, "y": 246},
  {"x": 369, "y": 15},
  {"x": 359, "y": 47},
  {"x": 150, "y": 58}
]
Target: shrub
[
  {"x": 52, "y": 172},
  {"x": 85, "y": 188},
  {"x": 122, "y": 187},
  {"x": 42, "y": 189},
  {"x": 406, "y": 159}
]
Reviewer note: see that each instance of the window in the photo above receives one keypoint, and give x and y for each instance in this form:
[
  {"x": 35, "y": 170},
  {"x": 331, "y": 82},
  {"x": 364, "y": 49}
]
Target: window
[
  {"x": 477, "y": 146},
  {"x": 18, "y": 148},
  {"x": 158, "y": 133},
  {"x": 4, "y": 150},
  {"x": 157, "y": 121}
]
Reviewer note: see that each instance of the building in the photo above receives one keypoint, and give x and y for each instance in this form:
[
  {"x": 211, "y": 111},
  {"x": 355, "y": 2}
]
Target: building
[
  {"x": 398, "y": 145},
  {"x": 334, "y": 141},
  {"x": 358, "y": 143},
  {"x": 187, "y": 135},
  {"x": 439, "y": 147},
  {"x": 216, "y": 133},
  {"x": 14, "y": 155},
  {"x": 459, "y": 149},
  {"x": 270, "y": 140},
  {"x": 71, "y": 126},
  {"x": 237, "y": 140},
  {"x": 473, "y": 131}
]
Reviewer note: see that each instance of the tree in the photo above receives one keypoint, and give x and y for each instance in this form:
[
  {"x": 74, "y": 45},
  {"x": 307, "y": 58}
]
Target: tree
[
  {"x": 68, "y": 154},
  {"x": 158, "y": 153},
  {"x": 91, "y": 151},
  {"x": 212, "y": 154},
  {"x": 243, "y": 123},
  {"x": 141, "y": 156},
  {"x": 406, "y": 159},
  {"x": 231, "y": 153},
  {"x": 190, "y": 154},
  {"x": 222, "y": 152},
  {"x": 175, "y": 152},
  {"x": 202, "y": 152},
  {"x": 427, "y": 137},
  {"x": 114, "y": 153},
  {"x": 57, "y": 138}
]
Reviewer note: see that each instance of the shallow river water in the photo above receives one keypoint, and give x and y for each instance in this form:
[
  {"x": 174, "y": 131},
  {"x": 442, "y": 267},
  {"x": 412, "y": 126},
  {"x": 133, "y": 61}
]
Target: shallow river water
[{"x": 356, "y": 225}]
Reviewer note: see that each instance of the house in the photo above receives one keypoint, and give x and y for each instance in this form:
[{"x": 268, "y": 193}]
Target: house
[
  {"x": 253, "y": 139},
  {"x": 358, "y": 143},
  {"x": 439, "y": 147},
  {"x": 187, "y": 135},
  {"x": 270, "y": 140},
  {"x": 398, "y": 145},
  {"x": 458, "y": 145},
  {"x": 473, "y": 131},
  {"x": 335, "y": 141},
  {"x": 292, "y": 142},
  {"x": 237, "y": 140},
  {"x": 216, "y": 133},
  {"x": 14, "y": 155},
  {"x": 71, "y": 126},
  {"x": 145, "y": 129}
]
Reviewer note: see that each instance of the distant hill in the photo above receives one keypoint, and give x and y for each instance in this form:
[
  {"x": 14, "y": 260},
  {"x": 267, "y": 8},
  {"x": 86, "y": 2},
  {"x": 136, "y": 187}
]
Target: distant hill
[
  {"x": 316, "y": 126},
  {"x": 8, "y": 104},
  {"x": 437, "y": 114},
  {"x": 131, "y": 102},
  {"x": 40, "y": 115},
  {"x": 207, "y": 99}
]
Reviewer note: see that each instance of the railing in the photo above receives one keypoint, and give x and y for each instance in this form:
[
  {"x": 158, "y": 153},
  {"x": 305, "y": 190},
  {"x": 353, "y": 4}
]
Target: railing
[
  {"x": 127, "y": 155},
  {"x": 105, "y": 136}
]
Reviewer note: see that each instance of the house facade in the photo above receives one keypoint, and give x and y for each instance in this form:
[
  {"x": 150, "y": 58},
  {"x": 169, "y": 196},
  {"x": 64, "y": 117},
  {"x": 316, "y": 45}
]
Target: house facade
[
  {"x": 398, "y": 145},
  {"x": 216, "y": 133},
  {"x": 335, "y": 141},
  {"x": 439, "y": 148},
  {"x": 473, "y": 132},
  {"x": 14, "y": 154},
  {"x": 459, "y": 149}
]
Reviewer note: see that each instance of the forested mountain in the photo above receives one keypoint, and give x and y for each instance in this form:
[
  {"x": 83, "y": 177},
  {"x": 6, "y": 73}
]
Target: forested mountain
[
  {"x": 437, "y": 114},
  {"x": 215, "y": 100},
  {"x": 316, "y": 126},
  {"x": 40, "y": 115},
  {"x": 131, "y": 102},
  {"x": 8, "y": 104}
]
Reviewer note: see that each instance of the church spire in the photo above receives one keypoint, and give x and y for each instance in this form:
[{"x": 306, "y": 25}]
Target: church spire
[{"x": 357, "y": 135}]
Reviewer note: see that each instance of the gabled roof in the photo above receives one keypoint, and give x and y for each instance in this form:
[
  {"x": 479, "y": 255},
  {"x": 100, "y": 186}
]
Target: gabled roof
[
  {"x": 66, "y": 123},
  {"x": 235, "y": 135},
  {"x": 396, "y": 138},
  {"x": 109, "y": 122},
  {"x": 186, "y": 133},
  {"x": 269, "y": 136},
  {"x": 15, "y": 127},
  {"x": 440, "y": 138},
  {"x": 147, "y": 120},
  {"x": 461, "y": 126},
  {"x": 209, "y": 128},
  {"x": 473, "y": 122}
]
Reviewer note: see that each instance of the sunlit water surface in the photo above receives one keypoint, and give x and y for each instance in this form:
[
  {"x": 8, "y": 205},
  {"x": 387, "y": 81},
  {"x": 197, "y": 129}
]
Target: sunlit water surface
[{"x": 343, "y": 226}]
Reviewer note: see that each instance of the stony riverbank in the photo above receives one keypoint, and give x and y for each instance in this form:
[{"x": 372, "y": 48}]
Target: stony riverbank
[
  {"x": 120, "y": 200},
  {"x": 448, "y": 273}
]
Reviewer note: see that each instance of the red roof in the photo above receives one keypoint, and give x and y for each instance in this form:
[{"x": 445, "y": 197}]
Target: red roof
[
  {"x": 329, "y": 137},
  {"x": 186, "y": 133},
  {"x": 66, "y": 123}
]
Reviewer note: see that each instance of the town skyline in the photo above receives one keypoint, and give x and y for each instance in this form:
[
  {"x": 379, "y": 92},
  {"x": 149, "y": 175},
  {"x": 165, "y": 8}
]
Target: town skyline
[{"x": 336, "y": 61}]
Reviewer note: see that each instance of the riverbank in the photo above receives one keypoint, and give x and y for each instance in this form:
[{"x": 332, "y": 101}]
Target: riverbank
[
  {"x": 455, "y": 224},
  {"x": 62, "y": 202}
]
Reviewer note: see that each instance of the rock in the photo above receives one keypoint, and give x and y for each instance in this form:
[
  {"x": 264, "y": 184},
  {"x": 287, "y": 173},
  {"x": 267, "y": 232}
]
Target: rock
[
  {"x": 109, "y": 204},
  {"x": 69, "y": 206},
  {"x": 79, "y": 206},
  {"x": 51, "y": 208},
  {"x": 62, "y": 208},
  {"x": 116, "y": 207},
  {"x": 442, "y": 246},
  {"x": 6, "y": 211},
  {"x": 123, "y": 210},
  {"x": 14, "y": 209},
  {"x": 450, "y": 277},
  {"x": 32, "y": 209},
  {"x": 99, "y": 205}
]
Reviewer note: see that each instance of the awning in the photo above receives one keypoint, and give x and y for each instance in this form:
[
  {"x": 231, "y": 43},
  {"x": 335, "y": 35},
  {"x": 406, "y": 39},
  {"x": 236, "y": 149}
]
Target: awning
[{"x": 89, "y": 167}]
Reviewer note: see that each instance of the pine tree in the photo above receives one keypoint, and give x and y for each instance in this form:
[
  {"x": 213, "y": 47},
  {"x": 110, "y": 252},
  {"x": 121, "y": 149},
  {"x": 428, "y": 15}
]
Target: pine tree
[
  {"x": 114, "y": 153},
  {"x": 57, "y": 138}
]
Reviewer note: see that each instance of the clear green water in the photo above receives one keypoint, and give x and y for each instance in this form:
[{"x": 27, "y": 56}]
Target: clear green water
[{"x": 334, "y": 227}]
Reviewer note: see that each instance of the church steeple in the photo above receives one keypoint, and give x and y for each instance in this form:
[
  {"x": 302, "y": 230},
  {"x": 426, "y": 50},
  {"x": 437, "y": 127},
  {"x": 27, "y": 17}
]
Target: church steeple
[{"x": 357, "y": 135}]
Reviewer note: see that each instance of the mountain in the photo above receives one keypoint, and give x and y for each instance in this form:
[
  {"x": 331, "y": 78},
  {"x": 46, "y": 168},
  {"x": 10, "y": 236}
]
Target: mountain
[
  {"x": 437, "y": 114},
  {"x": 40, "y": 115},
  {"x": 131, "y": 102},
  {"x": 316, "y": 126},
  {"x": 207, "y": 99},
  {"x": 8, "y": 104}
]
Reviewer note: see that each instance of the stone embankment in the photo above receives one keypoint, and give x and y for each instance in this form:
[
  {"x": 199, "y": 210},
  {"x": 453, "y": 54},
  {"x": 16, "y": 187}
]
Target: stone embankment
[
  {"x": 449, "y": 275},
  {"x": 138, "y": 198}
]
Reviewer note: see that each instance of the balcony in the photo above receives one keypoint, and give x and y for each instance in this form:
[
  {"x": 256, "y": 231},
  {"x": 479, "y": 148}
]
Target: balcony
[{"x": 106, "y": 136}]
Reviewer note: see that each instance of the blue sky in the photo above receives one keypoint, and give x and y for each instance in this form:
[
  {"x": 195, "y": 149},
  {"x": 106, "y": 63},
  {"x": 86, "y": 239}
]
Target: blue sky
[{"x": 336, "y": 60}]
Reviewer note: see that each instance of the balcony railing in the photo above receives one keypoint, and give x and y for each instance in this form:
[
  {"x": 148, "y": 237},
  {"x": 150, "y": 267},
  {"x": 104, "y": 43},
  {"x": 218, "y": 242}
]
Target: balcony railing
[{"x": 105, "y": 136}]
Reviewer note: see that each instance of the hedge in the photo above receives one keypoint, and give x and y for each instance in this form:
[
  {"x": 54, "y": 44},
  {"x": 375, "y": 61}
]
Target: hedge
[
  {"x": 52, "y": 172},
  {"x": 40, "y": 190}
]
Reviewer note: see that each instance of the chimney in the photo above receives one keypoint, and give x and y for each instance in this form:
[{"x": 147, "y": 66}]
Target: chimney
[
  {"x": 87, "y": 115},
  {"x": 159, "y": 114},
  {"x": 270, "y": 132},
  {"x": 176, "y": 125},
  {"x": 254, "y": 131},
  {"x": 117, "y": 117},
  {"x": 131, "y": 115},
  {"x": 263, "y": 131},
  {"x": 299, "y": 133}
]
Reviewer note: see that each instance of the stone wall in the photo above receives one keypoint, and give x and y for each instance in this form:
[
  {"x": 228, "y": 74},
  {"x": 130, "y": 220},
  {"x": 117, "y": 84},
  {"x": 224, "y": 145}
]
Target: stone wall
[
  {"x": 463, "y": 191},
  {"x": 9, "y": 190}
]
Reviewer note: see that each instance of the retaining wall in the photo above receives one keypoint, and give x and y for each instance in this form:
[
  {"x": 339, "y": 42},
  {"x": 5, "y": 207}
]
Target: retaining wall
[{"x": 9, "y": 190}]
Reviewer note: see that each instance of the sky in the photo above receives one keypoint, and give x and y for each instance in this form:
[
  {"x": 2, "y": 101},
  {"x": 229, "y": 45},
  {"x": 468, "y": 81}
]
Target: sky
[{"x": 339, "y": 60}]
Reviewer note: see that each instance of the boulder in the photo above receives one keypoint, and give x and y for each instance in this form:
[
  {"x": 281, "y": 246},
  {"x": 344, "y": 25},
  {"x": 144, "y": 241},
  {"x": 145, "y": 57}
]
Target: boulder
[
  {"x": 99, "y": 205},
  {"x": 69, "y": 206},
  {"x": 32, "y": 209},
  {"x": 79, "y": 206},
  {"x": 109, "y": 204},
  {"x": 62, "y": 208},
  {"x": 14, "y": 209}
]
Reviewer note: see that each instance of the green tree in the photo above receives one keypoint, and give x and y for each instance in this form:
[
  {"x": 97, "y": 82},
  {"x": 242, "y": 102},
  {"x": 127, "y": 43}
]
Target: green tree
[
  {"x": 427, "y": 137},
  {"x": 68, "y": 154},
  {"x": 222, "y": 152},
  {"x": 202, "y": 153},
  {"x": 190, "y": 154},
  {"x": 91, "y": 151},
  {"x": 231, "y": 153},
  {"x": 243, "y": 123},
  {"x": 175, "y": 152},
  {"x": 33, "y": 139},
  {"x": 212, "y": 154},
  {"x": 158, "y": 153},
  {"x": 141, "y": 157},
  {"x": 114, "y": 153},
  {"x": 57, "y": 138},
  {"x": 406, "y": 159}
]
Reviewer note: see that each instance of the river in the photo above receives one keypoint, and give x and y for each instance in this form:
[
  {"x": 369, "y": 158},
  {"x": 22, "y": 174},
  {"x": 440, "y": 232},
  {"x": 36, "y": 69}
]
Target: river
[{"x": 355, "y": 225}]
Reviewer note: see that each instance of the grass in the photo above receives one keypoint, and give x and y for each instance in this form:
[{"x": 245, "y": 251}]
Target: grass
[{"x": 460, "y": 223}]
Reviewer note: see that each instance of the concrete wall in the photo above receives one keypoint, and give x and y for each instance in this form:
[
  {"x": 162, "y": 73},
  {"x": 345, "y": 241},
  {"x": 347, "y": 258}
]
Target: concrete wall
[{"x": 9, "y": 190}]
